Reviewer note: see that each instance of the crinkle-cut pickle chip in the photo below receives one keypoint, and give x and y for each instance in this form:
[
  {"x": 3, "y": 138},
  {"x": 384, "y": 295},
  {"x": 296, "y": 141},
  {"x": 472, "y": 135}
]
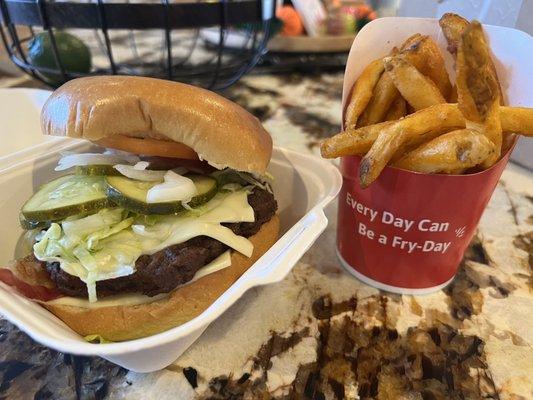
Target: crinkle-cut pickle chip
[
  {"x": 101, "y": 170},
  {"x": 131, "y": 195},
  {"x": 66, "y": 196}
]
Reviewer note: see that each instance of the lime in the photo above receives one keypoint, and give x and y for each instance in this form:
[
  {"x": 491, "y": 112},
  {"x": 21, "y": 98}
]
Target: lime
[{"x": 73, "y": 54}]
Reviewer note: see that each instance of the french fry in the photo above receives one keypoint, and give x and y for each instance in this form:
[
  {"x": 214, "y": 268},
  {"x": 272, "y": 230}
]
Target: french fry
[
  {"x": 419, "y": 91},
  {"x": 478, "y": 90},
  {"x": 426, "y": 56},
  {"x": 411, "y": 40},
  {"x": 362, "y": 92},
  {"x": 453, "y": 26},
  {"x": 517, "y": 120},
  {"x": 352, "y": 141},
  {"x": 359, "y": 141},
  {"x": 450, "y": 153},
  {"x": 384, "y": 95},
  {"x": 397, "y": 110}
]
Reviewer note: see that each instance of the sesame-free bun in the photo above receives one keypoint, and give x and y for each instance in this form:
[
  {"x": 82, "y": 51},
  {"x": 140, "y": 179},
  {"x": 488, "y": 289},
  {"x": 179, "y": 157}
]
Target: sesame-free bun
[
  {"x": 101, "y": 107},
  {"x": 118, "y": 323}
]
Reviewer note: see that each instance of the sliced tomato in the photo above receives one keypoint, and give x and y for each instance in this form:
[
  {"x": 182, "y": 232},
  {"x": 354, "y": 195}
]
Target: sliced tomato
[{"x": 149, "y": 147}]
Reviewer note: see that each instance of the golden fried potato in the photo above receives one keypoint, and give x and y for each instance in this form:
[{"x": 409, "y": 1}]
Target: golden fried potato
[
  {"x": 385, "y": 93},
  {"x": 352, "y": 141},
  {"x": 478, "y": 90},
  {"x": 449, "y": 153},
  {"x": 419, "y": 91},
  {"x": 397, "y": 110},
  {"x": 359, "y": 141},
  {"x": 453, "y": 26},
  {"x": 426, "y": 56},
  {"x": 411, "y": 40},
  {"x": 362, "y": 92},
  {"x": 517, "y": 120}
]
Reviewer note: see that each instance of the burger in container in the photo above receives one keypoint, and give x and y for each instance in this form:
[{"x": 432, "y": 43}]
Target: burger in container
[
  {"x": 168, "y": 209},
  {"x": 407, "y": 231}
]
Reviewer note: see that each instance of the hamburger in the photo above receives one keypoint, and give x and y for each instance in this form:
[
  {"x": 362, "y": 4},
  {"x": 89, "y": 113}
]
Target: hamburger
[{"x": 147, "y": 229}]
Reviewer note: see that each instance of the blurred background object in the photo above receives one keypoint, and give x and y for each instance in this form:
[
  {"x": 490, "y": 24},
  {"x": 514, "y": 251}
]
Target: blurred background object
[
  {"x": 208, "y": 43},
  {"x": 211, "y": 43},
  {"x": 58, "y": 41},
  {"x": 323, "y": 39}
]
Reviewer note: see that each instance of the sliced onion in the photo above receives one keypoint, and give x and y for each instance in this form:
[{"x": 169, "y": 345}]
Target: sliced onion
[
  {"x": 148, "y": 233},
  {"x": 69, "y": 160},
  {"x": 131, "y": 157},
  {"x": 141, "y": 165},
  {"x": 174, "y": 188},
  {"x": 217, "y": 165},
  {"x": 139, "y": 174}
]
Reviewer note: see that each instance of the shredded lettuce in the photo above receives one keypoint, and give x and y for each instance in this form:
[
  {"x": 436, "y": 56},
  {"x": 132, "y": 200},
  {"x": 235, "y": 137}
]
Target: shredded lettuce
[
  {"x": 94, "y": 238},
  {"x": 269, "y": 176},
  {"x": 92, "y": 223},
  {"x": 75, "y": 245},
  {"x": 96, "y": 339}
]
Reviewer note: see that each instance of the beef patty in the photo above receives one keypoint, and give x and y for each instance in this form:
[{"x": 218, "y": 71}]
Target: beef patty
[{"x": 175, "y": 265}]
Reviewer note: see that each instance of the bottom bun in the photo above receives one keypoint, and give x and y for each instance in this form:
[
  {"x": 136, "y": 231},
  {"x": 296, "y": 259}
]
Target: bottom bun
[{"x": 119, "y": 323}]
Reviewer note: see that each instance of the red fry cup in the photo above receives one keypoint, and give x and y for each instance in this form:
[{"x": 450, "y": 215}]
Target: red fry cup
[{"x": 407, "y": 232}]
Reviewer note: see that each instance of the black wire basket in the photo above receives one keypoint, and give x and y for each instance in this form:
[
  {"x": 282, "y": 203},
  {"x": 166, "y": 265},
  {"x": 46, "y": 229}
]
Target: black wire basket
[{"x": 211, "y": 44}]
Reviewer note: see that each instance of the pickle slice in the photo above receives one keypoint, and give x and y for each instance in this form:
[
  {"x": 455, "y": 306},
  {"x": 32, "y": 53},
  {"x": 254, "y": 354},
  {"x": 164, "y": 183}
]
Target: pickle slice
[
  {"x": 101, "y": 170},
  {"x": 66, "y": 196},
  {"x": 29, "y": 225},
  {"x": 131, "y": 194}
]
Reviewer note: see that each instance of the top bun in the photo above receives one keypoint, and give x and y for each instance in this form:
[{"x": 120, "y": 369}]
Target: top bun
[{"x": 219, "y": 130}]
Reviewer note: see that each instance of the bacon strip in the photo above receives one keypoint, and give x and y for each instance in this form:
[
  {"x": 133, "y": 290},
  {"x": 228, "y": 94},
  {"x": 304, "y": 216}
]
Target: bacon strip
[{"x": 34, "y": 292}]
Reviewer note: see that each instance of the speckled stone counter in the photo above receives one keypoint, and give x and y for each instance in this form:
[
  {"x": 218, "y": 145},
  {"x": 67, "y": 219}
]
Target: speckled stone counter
[{"x": 320, "y": 333}]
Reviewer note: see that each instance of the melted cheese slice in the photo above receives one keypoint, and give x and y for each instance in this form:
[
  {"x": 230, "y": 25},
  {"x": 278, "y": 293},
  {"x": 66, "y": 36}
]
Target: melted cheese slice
[
  {"x": 115, "y": 255},
  {"x": 221, "y": 262}
]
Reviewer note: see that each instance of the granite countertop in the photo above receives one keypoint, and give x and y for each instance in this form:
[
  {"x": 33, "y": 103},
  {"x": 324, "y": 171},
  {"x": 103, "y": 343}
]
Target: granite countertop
[{"x": 320, "y": 333}]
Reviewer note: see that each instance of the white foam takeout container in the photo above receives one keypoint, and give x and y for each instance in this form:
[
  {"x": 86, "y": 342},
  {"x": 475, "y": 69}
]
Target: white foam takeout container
[
  {"x": 303, "y": 185},
  {"x": 20, "y": 128}
]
